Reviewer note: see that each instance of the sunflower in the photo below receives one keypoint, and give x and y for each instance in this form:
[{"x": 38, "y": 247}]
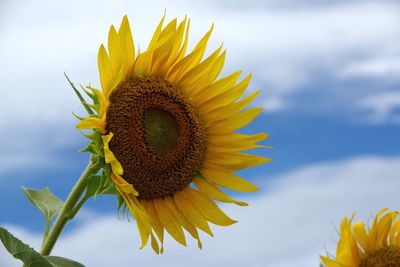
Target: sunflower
[
  {"x": 164, "y": 122},
  {"x": 378, "y": 246}
]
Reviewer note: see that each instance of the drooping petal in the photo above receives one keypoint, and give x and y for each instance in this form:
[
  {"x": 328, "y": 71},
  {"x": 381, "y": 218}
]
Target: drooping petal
[
  {"x": 188, "y": 210},
  {"x": 214, "y": 192},
  {"x": 208, "y": 208},
  {"x": 169, "y": 221}
]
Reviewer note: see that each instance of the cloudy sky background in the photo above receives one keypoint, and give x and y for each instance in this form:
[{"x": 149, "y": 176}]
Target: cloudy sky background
[{"x": 330, "y": 75}]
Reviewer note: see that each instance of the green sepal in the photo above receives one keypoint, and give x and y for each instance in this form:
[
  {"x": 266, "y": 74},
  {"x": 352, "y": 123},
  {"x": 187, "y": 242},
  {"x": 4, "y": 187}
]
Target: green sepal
[
  {"x": 121, "y": 204},
  {"x": 95, "y": 107},
  {"x": 45, "y": 201},
  {"x": 96, "y": 137},
  {"x": 139, "y": 73},
  {"x": 88, "y": 148},
  {"x": 79, "y": 95},
  {"x": 76, "y": 116},
  {"x": 98, "y": 150},
  {"x": 107, "y": 186},
  {"x": 29, "y": 256},
  {"x": 100, "y": 185},
  {"x": 92, "y": 96},
  {"x": 93, "y": 148}
]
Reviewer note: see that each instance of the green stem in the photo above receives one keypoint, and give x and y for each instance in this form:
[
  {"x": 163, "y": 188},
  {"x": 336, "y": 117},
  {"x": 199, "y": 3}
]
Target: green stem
[
  {"x": 78, "y": 207},
  {"x": 46, "y": 231},
  {"x": 68, "y": 211}
]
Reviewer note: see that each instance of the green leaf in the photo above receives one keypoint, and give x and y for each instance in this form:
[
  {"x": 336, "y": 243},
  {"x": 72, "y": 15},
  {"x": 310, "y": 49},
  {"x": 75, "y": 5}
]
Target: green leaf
[
  {"x": 63, "y": 262},
  {"x": 45, "y": 201},
  {"x": 29, "y": 256},
  {"x": 21, "y": 251}
]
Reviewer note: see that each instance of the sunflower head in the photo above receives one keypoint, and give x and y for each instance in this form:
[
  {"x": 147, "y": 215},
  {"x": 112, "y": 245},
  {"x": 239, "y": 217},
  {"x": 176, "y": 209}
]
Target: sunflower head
[
  {"x": 377, "y": 246},
  {"x": 164, "y": 125}
]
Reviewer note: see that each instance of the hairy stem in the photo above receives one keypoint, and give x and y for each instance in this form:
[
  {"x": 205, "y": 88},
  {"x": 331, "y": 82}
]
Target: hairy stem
[{"x": 68, "y": 209}]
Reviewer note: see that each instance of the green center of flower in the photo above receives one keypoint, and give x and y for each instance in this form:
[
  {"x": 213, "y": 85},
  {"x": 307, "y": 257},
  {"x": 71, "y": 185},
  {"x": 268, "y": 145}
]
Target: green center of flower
[
  {"x": 159, "y": 138},
  {"x": 161, "y": 130},
  {"x": 385, "y": 257}
]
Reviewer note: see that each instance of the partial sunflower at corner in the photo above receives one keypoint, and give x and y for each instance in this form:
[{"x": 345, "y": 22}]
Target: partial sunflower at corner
[
  {"x": 167, "y": 121},
  {"x": 377, "y": 246}
]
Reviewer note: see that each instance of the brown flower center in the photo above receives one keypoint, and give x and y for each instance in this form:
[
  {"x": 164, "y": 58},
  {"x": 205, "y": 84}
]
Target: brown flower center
[
  {"x": 158, "y": 137},
  {"x": 385, "y": 257}
]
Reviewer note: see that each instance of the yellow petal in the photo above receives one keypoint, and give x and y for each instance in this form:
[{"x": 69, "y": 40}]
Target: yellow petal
[
  {"x": 233, "y": 161},
  {"x": 144, "y": 230},
  {"x": 373, "y": 233},
  {"x": 154, "y": 244},
  {"x": 330, "y": 262},
  {"x": 156, "y": 35},
  {"x": 102, "y": 101},
  {"x": 214, "y": 192},
  {"x": 220, "y": 144},
  {"x": 189, "y": 61},
  {"x": 395, "y": 231},
  {"x": 127, "y": 47},
  {"x": 190, "y": 212},
  {"x": 361, "y": 235},
  {"x": 217, "y": 88},
  {"x": 235, "y": 123},
  {"x": 104, "y": 70},
  {"x": 209, "y": 77},
  {"x": 198, "y": 71},
  {"x": 140, "y": 215},
  {"x": 169, "y": 203},
  {"x": 229, "y": 96},
  {"x": 158, "y": 228},
  {"x": 228, "y": 180},
  {"x": 122, "y": 185},
  {"x": 169, "y": 221},
  {"x": 235, "y": 140},
  {"x": 163, "y": 52},
  {"x": 383, "y": 230},
  {"x": 229, "y": 111},
  {"x": 91, "y": 123},
  {"x": 176, "y": 54},
  {"x": 207, "y": 208},
  {"x": 143, "y": 65},
  {"x": 169, "y": 29},
  {"x": 109, "y": 155},
  {"x": 114, "y": 48}
]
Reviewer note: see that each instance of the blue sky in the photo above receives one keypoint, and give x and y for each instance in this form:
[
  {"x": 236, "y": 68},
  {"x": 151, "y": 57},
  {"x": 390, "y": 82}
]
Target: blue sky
[{"x": 330, "y": 78}]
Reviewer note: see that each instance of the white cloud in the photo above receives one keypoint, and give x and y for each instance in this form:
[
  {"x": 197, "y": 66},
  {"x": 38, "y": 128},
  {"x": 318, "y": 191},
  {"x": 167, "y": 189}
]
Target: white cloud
[
  {"x": 382, "y": 107},
  {"x": 288, "y": 225},
  {"x": 33, "y": 147},
  {"x": 387, "y": 68},
  {"x": 285, "y": 48},
  {"x": 274, "y": 104}
]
